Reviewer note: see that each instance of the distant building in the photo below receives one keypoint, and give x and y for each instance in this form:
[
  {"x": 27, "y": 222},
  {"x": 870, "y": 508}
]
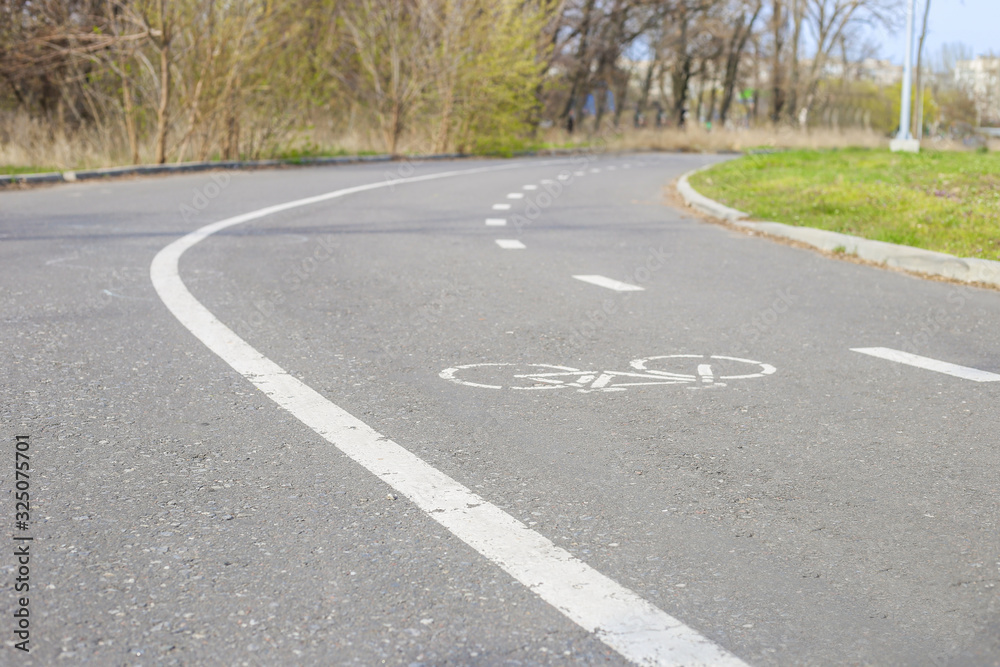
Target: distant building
[
  {"x": 980, "y": 78},
  {"x": 882, "y": 72}
]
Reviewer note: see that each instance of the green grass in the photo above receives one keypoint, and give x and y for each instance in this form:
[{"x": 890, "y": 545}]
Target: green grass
[
  {"x": 7, "y": 170},
  {"x": 308, "y": 151},
  {"x": 944, "y": 201}
]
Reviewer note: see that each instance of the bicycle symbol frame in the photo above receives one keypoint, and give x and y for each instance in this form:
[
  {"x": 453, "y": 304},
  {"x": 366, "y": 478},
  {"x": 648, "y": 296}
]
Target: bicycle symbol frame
[{"x": 541, "y": 377}]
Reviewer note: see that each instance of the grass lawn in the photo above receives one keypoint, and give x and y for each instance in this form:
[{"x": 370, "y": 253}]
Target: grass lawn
[{"x": 949, "y": 202}]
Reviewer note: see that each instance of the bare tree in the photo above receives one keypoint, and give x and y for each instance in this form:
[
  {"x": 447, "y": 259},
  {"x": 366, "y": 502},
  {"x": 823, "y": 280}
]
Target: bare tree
[
  {"x": 158, "y": 17},
  {"x": 778, "y": 27},
  {"x": 689, "y": 39},
  {"x": 390, "y": 39},
  {"x": 743, "y": 24}
]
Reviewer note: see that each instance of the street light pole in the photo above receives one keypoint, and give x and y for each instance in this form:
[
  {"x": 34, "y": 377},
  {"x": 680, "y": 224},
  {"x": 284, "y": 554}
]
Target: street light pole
[{"x": 904, "y": 141}]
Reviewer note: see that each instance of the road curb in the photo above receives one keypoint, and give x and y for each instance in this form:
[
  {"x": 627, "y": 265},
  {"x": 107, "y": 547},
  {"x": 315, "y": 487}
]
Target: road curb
[
  {"x": 695, "y": 199},
  {"x": 907, "y": 258},
  {"x": 184, "y": 167},
  {"x": 188, "y": 167}
]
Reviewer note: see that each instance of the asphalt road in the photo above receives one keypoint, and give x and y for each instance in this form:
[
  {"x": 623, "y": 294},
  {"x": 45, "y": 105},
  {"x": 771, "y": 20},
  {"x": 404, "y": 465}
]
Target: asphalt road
[{"x": 832, "y": 508}]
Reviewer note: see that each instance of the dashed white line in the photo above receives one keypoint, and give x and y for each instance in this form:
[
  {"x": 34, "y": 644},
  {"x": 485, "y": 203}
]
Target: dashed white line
[
  {"x": 515, "y": 195},
  {"x": 610, "y": 283},
  {"x": 595, "y": 170},
  {"x": 496, "y": 222},
  {"x": 563, "y": 177},
  {"x": 501, "y": 207},
  {"x": 510, "y": 244},
  {"x": 530, "y": 187},
  {"x": 578, "y": 173},
  {"x": 929, "y": 364},
  {"x": 617, "y": 616}
]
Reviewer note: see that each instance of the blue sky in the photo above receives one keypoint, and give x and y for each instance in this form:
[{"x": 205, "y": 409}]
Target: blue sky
[{"x": 974, "y": 22}]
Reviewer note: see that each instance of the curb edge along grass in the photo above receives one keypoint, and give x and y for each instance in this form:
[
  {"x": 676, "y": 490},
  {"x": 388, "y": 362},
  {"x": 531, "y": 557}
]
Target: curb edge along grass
[
  {"x": 189, "y": 167},
  {"x": 907, "y": 258}
]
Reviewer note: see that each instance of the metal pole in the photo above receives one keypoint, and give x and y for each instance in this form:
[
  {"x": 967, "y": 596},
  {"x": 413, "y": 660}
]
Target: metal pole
[{"x": 904, "y": 108}]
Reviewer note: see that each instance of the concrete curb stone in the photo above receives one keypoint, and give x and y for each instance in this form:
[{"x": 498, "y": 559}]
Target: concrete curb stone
[
  {"x": 697, "y": 200},
  {"x": 188, "y": 167},
  {"x": 917, "y": 260},
  {"x": 184, "y": 167}
]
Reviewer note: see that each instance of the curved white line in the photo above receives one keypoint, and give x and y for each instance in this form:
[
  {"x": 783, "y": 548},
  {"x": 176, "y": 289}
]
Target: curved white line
[{"x": 621, "y": 619}]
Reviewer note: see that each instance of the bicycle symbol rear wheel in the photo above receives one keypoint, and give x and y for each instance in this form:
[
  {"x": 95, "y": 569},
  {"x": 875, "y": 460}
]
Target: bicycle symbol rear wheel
[{"x": 515, "y": 376}]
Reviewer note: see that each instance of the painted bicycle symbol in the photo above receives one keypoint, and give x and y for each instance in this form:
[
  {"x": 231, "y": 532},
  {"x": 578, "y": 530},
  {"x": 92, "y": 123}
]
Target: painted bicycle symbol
[{"x": 708, "y": 371}]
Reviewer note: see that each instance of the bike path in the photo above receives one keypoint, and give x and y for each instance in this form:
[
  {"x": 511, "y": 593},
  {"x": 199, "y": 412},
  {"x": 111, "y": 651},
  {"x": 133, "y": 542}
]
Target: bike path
[
  {"x": 856, "y": 493},
  {"x": 471, "y": 294}
]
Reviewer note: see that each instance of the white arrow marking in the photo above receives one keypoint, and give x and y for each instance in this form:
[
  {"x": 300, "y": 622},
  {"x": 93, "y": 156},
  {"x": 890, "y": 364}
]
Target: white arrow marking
[{"x": 610, "y": 283}]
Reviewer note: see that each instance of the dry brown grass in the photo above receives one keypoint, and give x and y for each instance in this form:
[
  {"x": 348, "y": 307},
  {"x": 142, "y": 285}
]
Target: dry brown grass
[
  {"x": 26, "y": 142},
  {"x": 30, "y": 142},
  {"x": 698, "y": 139},
  {"x": 701, "y": 140}
]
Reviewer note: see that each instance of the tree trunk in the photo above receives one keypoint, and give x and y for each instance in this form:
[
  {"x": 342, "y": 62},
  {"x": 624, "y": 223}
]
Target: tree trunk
[
  {"x": 161, "y": 110},
  {"x": 680, "y": 77},
  {"x": 701, "y": 91},
  {"x": 620, "y": 95},
  {"x": 600, "y": 100},
  {"x": 679, "y": 80},
  {"x": 391, "y": 130},
  {"x": 732, "y": 68},
  {"x": 712, "y": 95},
  {"x": 647, "y": 84},
  {"x": 777, "y": 91},
  {"x": 794, "y": 75},
  {"x": 733, "y": 62},
  {"x": 444, "y": 126},
  {"x": 133, "y": 139},
  {"x": 192, "y": 121},
  {"x": 582, "y": 71}
]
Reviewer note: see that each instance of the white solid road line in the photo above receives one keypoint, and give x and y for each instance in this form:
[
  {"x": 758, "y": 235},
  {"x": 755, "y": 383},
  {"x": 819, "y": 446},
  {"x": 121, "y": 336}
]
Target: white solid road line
[
  {"x": 515, "y": 195},
  {"x": 621, "y": 619},
  {"x": 927, "y": 363},
  {"x": 610, "y": 283},
  {"x": 501, "y": 207},
  {"x": 510, "y": 244},
  {"x": 496, "y": 222},
  {"x": 530, "y": 187}
]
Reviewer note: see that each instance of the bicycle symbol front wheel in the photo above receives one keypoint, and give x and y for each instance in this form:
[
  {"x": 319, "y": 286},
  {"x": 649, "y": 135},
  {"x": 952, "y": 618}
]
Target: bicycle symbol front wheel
[{"x": 708, "y": 369}]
